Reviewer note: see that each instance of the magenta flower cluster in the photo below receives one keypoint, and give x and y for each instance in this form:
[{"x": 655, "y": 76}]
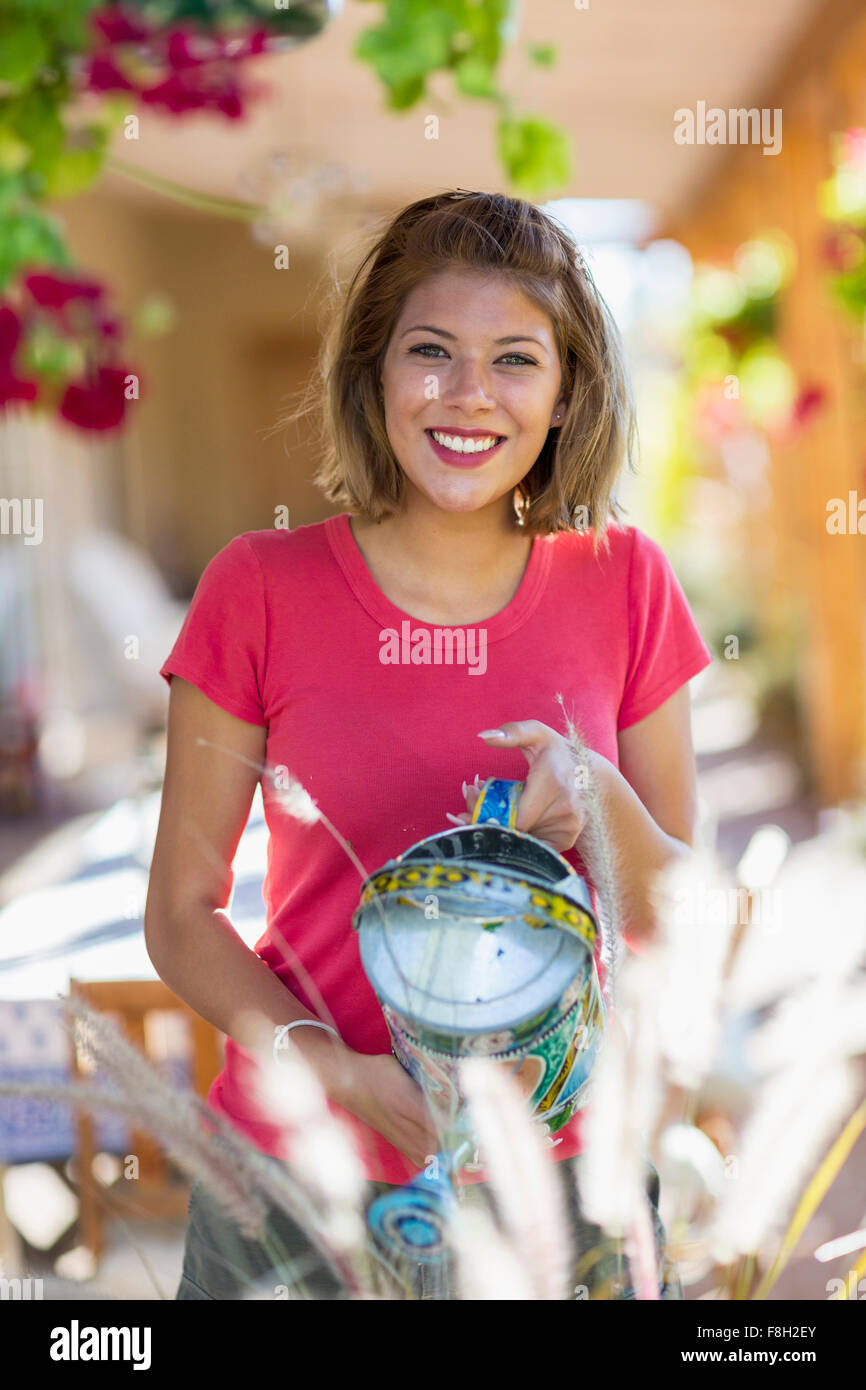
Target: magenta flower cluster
[
  {"x": 69, "y": 308},
  {"x": 180, "y": 68}
]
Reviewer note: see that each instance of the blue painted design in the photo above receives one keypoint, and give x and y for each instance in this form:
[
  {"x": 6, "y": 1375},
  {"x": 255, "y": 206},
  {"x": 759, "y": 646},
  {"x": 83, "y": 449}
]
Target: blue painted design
[
  {"x": 412, "y": 1220},
  {"x": 498, "y": 802}
]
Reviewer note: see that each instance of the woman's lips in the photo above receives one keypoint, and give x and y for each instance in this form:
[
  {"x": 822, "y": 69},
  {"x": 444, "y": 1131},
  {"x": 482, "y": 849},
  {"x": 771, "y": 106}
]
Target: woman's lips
[{"x": 462, "y": 460}]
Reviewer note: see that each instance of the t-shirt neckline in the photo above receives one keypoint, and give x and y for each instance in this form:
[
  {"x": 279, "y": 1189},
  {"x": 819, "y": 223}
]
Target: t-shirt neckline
[{"x": 519, "y": 608}]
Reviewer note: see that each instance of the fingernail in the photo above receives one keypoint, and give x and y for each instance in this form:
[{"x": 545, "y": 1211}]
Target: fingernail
[{"x": 493, "y": 733}]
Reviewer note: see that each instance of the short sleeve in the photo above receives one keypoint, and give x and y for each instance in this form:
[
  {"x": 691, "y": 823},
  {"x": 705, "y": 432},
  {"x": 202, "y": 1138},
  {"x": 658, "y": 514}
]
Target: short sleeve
[
  {"x": 221, "y": 645},
  {"x": 665, "y": 646}
]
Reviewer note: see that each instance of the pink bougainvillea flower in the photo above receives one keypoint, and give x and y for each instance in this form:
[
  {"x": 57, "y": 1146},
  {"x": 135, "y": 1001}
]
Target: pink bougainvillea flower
[
  {"x": 12, "y": 386},
  {"x": 810, "y": 400},
  {"x": 716, "y": 414},
  {"x": 185, "y": 92},
  {"x": 187, "y": 49},
  {"x": 52, "y": 291},
  {"x": 10, "y": 331},
  {"x": 119, "y": 25},
  {"x": 175, "y": 94},
  {"x": 257, "y": 42},
  {"x": 854, "y": 146},
  {"x": 97, "y": 403},
  {"x": 230, "y": 105},
  {"x": 108, "y": 327},
  {"x": 843, "y": 249},
  {"x": 197, "y": 69},
  {"x": 104, "y": 75}
]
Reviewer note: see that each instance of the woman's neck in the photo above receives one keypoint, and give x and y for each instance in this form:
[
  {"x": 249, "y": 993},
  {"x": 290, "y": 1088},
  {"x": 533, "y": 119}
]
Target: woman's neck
[{"x": 445, "y": 567}]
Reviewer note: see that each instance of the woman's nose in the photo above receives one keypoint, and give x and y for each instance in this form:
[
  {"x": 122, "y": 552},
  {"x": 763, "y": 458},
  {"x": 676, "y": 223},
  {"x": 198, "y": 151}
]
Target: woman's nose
[{"x": 466, "y": 385}]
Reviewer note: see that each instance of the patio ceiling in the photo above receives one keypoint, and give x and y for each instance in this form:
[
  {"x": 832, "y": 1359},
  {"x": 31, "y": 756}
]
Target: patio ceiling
[{"x": 624, "y": 67}]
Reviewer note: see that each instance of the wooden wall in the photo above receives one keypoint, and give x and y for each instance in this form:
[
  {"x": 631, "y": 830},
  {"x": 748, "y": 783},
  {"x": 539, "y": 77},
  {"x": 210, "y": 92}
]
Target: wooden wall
[
  {"x": 197, "y": 463},
  {"x": 819, "y": 576}
]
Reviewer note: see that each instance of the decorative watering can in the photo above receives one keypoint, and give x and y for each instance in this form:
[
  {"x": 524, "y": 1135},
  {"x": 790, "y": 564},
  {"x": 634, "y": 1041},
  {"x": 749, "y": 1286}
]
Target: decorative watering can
[{"x": 479, "y": 942}]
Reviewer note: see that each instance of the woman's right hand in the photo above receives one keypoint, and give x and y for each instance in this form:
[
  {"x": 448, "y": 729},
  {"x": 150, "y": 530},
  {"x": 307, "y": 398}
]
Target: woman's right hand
[{"x": 383, "y": 1095}]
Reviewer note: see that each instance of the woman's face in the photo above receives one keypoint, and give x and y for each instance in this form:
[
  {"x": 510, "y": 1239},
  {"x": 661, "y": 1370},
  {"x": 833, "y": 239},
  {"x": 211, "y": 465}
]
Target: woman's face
[{"x": 471, "y": 358}]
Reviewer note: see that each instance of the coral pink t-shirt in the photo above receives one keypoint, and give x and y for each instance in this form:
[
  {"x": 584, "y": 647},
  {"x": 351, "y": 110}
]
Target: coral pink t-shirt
[{"x": 289, "y": 630}]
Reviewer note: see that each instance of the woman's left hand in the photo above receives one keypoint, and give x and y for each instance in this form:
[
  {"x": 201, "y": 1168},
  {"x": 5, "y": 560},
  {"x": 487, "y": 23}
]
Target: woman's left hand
[{"x": 552, "y": 805}]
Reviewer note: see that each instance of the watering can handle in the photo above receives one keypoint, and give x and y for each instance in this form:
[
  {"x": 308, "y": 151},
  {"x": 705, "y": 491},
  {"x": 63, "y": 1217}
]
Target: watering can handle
[{"x": 498, "y": 802}]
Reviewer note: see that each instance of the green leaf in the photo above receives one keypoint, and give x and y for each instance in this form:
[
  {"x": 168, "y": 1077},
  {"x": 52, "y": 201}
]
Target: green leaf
[
  {"x": 34, "y": 118},
  {"x": 23, "y": 51},
  {"x": 26, "y": 241},
  {"x": 544, "y": 54},
  {"x": 71, "y": 172},
  {"x": 14, "y": 153},
  {"x": 113, "y": 110},
  {"x": 536, "y": 154},
  {"x": 475, "y": 78},
  {"x": 153, "y": 316},
  {"x": 412, "y": 42},
  {"x": 71, "y": 25},
  {"x": 52, "y": 356},
  {"x": 484, "y": 27},
  {"x": 405, "y": 94}
]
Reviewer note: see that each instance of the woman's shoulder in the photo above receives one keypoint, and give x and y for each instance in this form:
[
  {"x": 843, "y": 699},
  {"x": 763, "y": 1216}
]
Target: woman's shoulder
[
  {"x": 279, "y": 545},
  {"x": 613, "y": 550}
]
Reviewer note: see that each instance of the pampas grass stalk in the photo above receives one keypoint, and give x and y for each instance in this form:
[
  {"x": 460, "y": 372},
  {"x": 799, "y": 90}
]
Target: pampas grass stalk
[
  {"x": 523, "y": 1180},
  {"x": 641, "y": 1251},
  {"x": 488, "y": 1264},
  {"x": 781, "y": 1139},
  {"x": 816, "y": 1190},
  {"x": 693, "y": 930},
  {"x": 598, "y": 852},
  {"x": 176, "y": 1115},
  {"x": 319, "y": 1148},
  {"x": 181, "y": 1136},
  {"x": 623, "y": 1102}
]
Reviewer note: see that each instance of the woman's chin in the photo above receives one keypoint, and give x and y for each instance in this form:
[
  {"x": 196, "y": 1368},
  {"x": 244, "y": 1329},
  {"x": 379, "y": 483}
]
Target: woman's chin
[{"x": 461, "y": 499}]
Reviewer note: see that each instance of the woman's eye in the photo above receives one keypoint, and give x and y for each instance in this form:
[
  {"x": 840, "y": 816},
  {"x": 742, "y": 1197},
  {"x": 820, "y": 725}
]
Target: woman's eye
[
  {"x": 516, "y": 359},
  {"x": 422, "y": 348}
]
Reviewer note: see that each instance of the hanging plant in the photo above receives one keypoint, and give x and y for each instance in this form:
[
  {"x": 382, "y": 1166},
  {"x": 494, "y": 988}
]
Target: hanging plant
[
  {"x": 186, "y": 55},
  {"x": 417, "y": 38},
  {"x": 183, "y": 57},
  {"x": 60, "y": 349},
  {"x": 843, "y": 205},
  {"x": 735, "y": 371}
]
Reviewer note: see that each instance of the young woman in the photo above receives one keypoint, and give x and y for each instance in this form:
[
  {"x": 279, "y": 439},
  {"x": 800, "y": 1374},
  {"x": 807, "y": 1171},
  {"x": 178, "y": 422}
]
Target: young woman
[{"x": 478, "y": 413}]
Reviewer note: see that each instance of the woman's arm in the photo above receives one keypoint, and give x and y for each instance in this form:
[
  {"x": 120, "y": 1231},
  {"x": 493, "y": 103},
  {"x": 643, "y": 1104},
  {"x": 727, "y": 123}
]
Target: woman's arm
[
  {"x": 650, "y": 802},
  {"x": 195, "y": 949},
  {"x": 206, "y": 800}
]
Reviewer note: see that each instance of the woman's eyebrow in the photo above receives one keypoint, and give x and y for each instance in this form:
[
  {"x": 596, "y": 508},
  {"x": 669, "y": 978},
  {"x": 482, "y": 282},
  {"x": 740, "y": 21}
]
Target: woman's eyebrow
[{"x": 429, "y": 328}]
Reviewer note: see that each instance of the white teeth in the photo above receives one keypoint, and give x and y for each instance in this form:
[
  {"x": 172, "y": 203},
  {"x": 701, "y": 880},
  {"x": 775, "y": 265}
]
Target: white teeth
[{"x": 461, "y": 445}]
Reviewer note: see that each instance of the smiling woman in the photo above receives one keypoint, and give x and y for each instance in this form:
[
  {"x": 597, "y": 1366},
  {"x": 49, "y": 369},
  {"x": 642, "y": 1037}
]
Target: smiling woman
[
  {"x": 475, "y": 397},
  {"x": 461, "y": 291}
]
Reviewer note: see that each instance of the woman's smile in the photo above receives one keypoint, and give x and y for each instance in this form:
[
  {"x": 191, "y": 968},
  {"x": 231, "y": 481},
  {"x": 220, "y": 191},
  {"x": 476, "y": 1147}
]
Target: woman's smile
[{"x": 464, "y": 448}]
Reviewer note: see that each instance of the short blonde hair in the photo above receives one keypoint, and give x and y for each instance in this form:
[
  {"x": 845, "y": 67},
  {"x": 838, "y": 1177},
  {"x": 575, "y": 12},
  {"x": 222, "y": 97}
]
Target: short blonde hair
[{"x": 580, "y": 460}]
